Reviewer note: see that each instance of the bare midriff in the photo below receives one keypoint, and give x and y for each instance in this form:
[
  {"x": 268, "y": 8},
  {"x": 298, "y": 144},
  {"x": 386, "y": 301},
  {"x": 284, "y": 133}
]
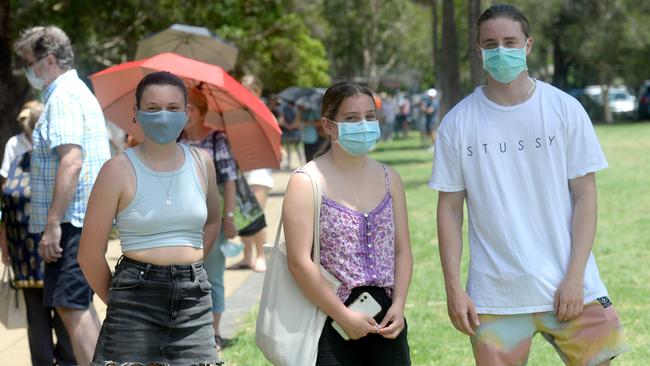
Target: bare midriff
[{"x": 167, "y": 256}]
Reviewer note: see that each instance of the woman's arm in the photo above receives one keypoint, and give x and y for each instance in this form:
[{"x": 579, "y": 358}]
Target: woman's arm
[
  {"x": 213, "y": 222},
  {"x": 98, "y": 223},
  {"x": 227, "y": 170},
  {"x": 393, "y": 323},
  {"x": 297, "y": 217}
]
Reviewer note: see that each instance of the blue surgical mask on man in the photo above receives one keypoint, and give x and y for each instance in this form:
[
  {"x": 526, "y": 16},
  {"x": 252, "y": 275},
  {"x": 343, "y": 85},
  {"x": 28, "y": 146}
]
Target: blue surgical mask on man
[
  {"x": 358, "y": 138},
  {"x": 163, "y": 126},
  {"x": 504, "y": 64}
]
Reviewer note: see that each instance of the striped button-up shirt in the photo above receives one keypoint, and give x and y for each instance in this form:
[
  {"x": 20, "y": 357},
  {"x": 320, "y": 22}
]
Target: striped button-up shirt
[{"x": 73, "y": 116}]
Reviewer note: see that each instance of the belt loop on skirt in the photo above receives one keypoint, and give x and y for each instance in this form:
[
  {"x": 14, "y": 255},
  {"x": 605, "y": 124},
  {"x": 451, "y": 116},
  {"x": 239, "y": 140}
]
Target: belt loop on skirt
[
  {"x": 193, "y": 275},
  {"x": 119, "y": 260},
  {"x": 146, "y": 271}
]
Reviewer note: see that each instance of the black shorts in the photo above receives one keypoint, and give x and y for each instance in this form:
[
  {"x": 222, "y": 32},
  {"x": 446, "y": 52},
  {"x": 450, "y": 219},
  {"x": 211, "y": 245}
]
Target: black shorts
[
  {"x": 65, "y": 285},
  {"x": 372, "y": 349}
]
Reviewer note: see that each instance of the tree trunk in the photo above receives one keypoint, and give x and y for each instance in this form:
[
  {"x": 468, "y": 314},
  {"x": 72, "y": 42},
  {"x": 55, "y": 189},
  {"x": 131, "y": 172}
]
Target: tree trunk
[
  {"x": 560, "y": 57},
  {"x": 475, "y": 68},
  {"x": 8, "y": 102},
  {"x": 561, "y": 65},
  {"x": 436, "y": 47},
  {"x": 604, "y": 92},
  {"x": 372, "y": 39},
  {"x": 450, "y": 66}
]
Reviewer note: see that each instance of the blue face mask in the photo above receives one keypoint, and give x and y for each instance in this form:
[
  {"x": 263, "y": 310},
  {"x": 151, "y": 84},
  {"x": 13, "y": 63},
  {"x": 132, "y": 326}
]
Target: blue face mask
[
  {"x": 504, "y": 64},
  {"x": 163, "y": 126},
  {"x": 36, "y": 82},
  {"x": 358, "y": 138}
]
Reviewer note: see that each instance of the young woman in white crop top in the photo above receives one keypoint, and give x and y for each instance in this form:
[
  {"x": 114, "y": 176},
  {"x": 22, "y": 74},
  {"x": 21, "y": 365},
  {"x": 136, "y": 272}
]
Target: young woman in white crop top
[{"x": 164, "y": 200}]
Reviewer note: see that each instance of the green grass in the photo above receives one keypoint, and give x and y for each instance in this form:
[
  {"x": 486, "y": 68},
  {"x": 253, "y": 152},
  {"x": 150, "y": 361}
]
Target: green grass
[{"x": 622, "y": 251}]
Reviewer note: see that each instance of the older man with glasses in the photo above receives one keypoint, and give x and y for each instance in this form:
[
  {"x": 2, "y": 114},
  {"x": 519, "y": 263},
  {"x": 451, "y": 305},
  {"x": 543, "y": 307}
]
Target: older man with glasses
[{"x": 70, "y": 144}]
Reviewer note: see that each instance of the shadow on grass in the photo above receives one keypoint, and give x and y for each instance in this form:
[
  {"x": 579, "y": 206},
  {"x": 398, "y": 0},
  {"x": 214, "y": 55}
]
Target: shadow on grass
[
  {"x": 393, "y": 162},
  {"x": 399, "y": 147},
  {"x": 416, "y": 183},
  {"x": 621, "y": 123}
]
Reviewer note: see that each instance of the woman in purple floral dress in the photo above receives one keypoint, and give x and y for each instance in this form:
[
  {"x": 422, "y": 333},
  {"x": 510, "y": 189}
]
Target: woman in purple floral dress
[{"x": 364, "y": 235}]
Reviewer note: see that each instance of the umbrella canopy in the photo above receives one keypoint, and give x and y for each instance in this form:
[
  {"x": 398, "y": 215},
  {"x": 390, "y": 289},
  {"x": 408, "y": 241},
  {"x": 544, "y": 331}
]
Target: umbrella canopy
[
  {"x": 292, "y": 94},
  {"x": 252, "y": 129},
  {"x": 312, "y": 99},
  {"x": 190, "y": 41}
]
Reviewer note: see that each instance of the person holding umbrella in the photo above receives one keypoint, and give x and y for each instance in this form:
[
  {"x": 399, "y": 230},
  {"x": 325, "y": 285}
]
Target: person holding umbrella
[
  {"x": 215, "y": 143},
  {"x": 164, "y": 200},
  {"x": 261, "y": 182}
]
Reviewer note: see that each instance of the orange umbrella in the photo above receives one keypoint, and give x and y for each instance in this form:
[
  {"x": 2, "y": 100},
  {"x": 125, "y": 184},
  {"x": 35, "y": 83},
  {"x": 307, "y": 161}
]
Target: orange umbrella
[{"x": 252, "y": 130}]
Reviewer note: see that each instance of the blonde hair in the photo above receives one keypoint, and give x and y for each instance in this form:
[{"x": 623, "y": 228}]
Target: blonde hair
[{"x": 35, "y": 109}]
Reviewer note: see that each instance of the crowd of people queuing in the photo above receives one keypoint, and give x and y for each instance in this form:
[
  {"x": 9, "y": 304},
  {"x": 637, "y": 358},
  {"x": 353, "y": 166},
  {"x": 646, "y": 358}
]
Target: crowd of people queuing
[
  {"x": 171, "y": 198},
  {"x": 398, "y": 113}
]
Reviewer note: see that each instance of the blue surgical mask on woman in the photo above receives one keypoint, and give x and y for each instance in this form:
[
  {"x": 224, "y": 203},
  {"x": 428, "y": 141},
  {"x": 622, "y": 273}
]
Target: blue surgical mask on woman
[
  {"x": 358, "y": 138},
  {"x": 504, "y": 64},
  {"x": 163, "y": 126}
]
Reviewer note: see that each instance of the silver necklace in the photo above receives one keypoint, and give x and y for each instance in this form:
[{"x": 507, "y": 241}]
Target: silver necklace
[{"x": 168, "y": 193}]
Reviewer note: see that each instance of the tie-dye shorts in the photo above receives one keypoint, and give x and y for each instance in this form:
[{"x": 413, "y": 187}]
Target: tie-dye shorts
[{"x": 592, "y": 338}]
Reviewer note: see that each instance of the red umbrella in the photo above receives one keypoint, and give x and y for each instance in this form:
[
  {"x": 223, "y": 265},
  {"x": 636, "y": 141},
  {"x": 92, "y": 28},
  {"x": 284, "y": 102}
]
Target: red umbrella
[{"x": 252, "y": 129}]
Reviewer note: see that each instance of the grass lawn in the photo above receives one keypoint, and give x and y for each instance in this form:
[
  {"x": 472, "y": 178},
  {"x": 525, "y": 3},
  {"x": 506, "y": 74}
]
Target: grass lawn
[{"x": 622, "y": 251}]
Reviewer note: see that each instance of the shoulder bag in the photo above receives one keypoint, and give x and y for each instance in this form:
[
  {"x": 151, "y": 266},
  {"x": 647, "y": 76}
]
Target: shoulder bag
[
  {"x": 13, "y": 312},
  {"x": 289, "y": 325}
]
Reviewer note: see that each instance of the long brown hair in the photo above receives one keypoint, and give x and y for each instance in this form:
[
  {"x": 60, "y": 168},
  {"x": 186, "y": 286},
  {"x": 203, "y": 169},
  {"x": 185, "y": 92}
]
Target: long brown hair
[{"x": 332, "y": 100}]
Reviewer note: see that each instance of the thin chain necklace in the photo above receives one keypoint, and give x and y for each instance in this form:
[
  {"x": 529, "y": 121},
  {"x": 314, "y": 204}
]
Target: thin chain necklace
[{"x": 168, "y": 193}]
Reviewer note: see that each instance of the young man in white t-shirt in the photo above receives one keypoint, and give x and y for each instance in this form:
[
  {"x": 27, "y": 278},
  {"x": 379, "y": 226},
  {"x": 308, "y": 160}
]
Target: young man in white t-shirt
[{"x": 523, "y": 155}]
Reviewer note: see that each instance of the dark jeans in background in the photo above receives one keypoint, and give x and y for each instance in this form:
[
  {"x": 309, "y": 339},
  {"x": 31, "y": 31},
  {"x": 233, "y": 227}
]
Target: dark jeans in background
[
  {"x": 40, "y": 322},
  {"x": 311, "y": 149},
  {"x": 158, "y": 314}
]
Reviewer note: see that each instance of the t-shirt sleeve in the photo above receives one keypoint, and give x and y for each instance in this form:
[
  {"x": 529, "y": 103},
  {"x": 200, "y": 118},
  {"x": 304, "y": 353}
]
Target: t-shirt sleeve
[
  {"x": 9, "y": 156},
  {"x": 584, "y": 153},
  {"x": 447, "y": 174},
  {"x": 65, "y": 122}
]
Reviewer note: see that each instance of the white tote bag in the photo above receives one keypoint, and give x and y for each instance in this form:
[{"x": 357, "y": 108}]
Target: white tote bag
[
  {"x": 288, "y": 324},
  {"x": 13, "y": 312}
]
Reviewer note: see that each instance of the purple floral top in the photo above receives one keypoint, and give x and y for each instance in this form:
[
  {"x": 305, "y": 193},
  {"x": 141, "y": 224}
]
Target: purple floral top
[{"x": 357, "y": 248}]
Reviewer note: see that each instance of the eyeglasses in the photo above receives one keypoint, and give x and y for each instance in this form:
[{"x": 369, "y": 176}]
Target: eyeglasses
[{"x": 29, "y": 65}]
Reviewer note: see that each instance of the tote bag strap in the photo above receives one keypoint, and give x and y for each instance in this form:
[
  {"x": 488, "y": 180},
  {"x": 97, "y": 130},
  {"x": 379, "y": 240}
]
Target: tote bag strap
[
  {"x": 316, "y": 190},
  {"x": 202, "y": 166}
]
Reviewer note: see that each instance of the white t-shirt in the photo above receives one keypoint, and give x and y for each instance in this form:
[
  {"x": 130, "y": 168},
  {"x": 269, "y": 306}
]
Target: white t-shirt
[
  {"x": 16, "y": 146},
  {"x": 515, "y": 162}
]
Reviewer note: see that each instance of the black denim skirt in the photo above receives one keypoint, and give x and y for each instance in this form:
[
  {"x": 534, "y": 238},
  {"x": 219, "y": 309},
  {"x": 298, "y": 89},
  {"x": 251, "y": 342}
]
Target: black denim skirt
[{"x": 160, "y": 315}]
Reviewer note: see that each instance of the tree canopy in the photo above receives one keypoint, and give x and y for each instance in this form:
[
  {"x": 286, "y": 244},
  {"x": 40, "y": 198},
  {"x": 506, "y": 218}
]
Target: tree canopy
[{"x": 385, "y": 43}]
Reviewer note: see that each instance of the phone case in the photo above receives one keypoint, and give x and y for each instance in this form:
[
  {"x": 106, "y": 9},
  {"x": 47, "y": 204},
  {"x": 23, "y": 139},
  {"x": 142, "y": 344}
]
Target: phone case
[{"x": 366, "y": 304}]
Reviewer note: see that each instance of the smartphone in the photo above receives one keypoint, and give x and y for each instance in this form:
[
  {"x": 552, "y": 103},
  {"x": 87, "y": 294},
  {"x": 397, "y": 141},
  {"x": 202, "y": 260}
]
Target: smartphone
[{"x": 366, "y": 304}]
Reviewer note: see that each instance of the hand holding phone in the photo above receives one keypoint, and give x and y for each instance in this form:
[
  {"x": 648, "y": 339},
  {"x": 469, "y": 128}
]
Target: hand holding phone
[{"x": 365, "y": 304}]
